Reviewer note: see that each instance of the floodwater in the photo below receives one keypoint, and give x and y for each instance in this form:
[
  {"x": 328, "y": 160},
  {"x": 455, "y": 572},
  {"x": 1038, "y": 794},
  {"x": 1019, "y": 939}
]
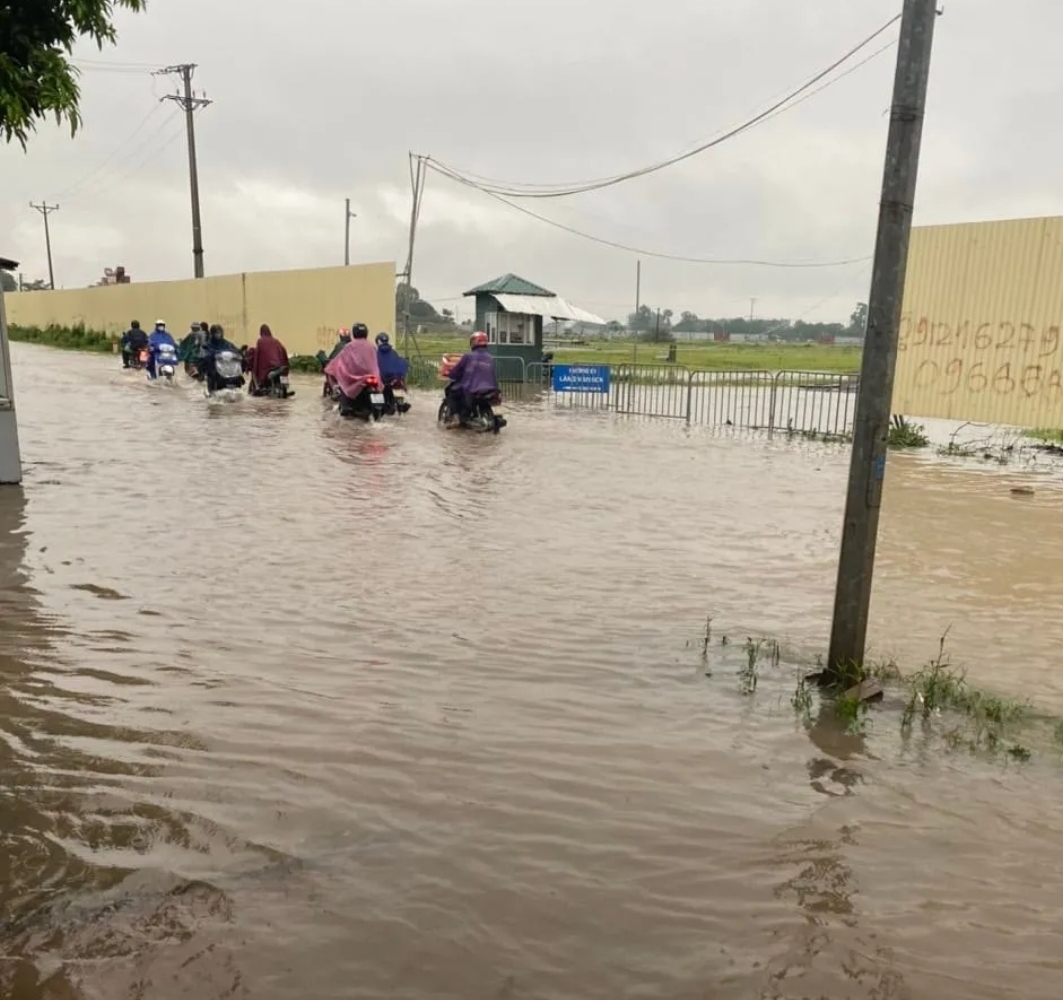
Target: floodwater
[{"x": 294, "y": 708}]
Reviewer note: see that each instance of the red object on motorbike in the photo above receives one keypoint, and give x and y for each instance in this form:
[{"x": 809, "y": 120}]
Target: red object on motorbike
[
  {"x": 373, "y": 382},
  {"x": 449, "y": 361}
]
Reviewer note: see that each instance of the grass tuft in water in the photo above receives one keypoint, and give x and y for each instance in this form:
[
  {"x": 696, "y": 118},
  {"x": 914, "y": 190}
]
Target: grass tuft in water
[
  {"x": 801, "y": 699},
  {"x": 748, "y": 675},
  {"x": 905, "y": 435}
]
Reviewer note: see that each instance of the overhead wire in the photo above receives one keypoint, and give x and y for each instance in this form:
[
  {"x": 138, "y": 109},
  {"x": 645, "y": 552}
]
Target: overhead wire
[
  {"x": 513, "y": 190},
  {"x": 114, "y": 152},
  {"x": 89, "y": 187},
  {"x": 154, "y": 154},
  {"x": 679, "y": 258}
]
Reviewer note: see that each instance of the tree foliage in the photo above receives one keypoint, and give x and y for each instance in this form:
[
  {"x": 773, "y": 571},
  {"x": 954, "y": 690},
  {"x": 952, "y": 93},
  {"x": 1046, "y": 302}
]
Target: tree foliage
[
  {"x": 36, "y": 40},
  {"x": 420, "y": 309}
]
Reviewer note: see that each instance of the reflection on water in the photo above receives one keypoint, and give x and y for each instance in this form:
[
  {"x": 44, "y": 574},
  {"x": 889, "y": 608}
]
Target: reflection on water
[{"x": 293, "y": 708}]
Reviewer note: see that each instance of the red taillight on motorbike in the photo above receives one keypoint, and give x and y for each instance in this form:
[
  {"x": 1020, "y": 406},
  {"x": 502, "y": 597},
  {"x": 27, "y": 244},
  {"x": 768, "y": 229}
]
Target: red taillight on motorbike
[{"x": 373, "y": 381}]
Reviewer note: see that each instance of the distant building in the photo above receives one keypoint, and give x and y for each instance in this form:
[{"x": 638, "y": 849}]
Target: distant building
[
  {"x": 511, "y": 311},
  {"x": 113, "y": 276}
]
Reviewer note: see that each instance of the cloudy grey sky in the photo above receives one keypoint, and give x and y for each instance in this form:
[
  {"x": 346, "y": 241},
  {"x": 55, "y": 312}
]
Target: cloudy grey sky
[{"x": 322, "y": 100}]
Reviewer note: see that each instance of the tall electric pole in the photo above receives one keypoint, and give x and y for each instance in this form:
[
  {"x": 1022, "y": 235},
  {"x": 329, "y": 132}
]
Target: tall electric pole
[
  {"x": 867, "y": 468},
  {"x": 44, "y": 208},
  {"x": 190, "y": 104},
  {"x": 347, "y": 216}
]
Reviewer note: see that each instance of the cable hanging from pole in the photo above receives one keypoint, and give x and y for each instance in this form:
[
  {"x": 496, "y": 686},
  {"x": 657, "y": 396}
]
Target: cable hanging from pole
[
  {"x": 613, "y": 244},
  {"x": 517, "y": 190}
]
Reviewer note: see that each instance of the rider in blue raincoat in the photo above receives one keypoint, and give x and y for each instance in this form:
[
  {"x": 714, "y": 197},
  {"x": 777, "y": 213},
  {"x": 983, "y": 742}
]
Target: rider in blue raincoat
[
  {"x": 392, "y": 364},
  {"x": 159, "y": 336}
]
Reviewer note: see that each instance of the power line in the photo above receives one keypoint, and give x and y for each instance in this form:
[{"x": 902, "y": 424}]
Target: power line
[
  {"x": 132, "y": 135},
  {"x": 667, "y": 256},
  {"x": 94, "y": 186},
  {"x": 154, "y": 154},
  {"x": 114, "y": 64},
  {"x": 566, "y": 190}
]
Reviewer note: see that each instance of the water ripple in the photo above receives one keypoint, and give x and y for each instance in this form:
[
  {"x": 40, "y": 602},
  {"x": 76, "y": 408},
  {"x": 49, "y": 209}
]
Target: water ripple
[{"x": 291, "y": 707}]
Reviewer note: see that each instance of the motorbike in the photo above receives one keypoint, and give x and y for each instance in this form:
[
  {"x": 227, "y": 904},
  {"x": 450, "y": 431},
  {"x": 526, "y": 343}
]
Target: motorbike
[
  {"x": 139, "y": 361},
  {"x": 368, "y": 405},
  {"x": 276, "y": 385},
  {"x": 395, "y": 400},
  {"x": 483, "y": 415},
  {"x": 166, "y": 363},
  {"x": 223, "y": 370}
]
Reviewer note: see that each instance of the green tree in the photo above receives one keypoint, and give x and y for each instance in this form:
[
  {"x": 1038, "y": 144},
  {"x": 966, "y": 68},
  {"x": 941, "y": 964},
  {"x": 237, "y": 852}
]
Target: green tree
[
  {"x": 420, "y": 309},
  {"x": 36, "y": 40},
  {"x": 858, "y": 320}
]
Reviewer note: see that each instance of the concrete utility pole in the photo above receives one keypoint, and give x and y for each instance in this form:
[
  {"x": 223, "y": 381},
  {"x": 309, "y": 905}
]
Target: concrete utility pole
[
  {"x": 347, "y": 216},
  {"x": 190, "y": 104},
  {"x": 44, "y": 208},
  {"x": 867, "y": 469}
]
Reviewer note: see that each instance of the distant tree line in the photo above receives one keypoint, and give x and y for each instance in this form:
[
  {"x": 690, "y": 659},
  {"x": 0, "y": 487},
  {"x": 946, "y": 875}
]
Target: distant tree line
[
  {"x": 653, "y": 324},
  {"x": 648, "y": 325}
]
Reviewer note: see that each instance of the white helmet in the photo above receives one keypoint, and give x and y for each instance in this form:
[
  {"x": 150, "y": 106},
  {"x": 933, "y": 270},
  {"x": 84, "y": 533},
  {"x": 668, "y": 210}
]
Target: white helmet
[{"x": 160, "y": 322}]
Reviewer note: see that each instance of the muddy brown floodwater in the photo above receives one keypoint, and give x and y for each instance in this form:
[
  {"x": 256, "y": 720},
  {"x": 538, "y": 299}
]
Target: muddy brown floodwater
[{"x": 292, "y": 708}]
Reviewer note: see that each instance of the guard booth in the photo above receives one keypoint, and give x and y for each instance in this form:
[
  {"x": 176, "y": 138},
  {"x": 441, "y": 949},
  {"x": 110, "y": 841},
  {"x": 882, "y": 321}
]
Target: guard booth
[
  {"x": 511, "y": 311},
  {"x": 10, "y": 455}
]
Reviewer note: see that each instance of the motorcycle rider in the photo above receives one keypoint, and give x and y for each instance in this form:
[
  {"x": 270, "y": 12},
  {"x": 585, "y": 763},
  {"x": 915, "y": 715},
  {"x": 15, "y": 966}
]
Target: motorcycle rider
[
  {"x": 134, "y": 340},
  {"x": 214, "y": 343},
  {"x": 192, "y": 342},
  {"x": 392, "y": 364},
  {"x": 393, "y": 367},
  {"x": 324, "y": 359},
  {"x": 159, "y": 336},
  {"x": 264, "y": 357},
  {"x": 353, "y": 366},
  {"x": 472, "y": 375}
]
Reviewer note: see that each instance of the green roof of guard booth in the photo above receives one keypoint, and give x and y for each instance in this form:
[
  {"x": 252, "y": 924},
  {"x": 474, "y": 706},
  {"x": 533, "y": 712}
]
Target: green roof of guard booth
[{"x": 509, "y": 284}]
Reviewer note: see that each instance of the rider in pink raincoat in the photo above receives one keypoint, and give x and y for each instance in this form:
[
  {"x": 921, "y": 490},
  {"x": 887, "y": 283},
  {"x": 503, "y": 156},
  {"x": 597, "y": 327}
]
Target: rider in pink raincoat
[{"x": 355, "y": 364}]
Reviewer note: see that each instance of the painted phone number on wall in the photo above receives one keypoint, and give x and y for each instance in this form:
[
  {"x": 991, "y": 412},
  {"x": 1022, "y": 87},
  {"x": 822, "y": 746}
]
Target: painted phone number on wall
[
  {"x": 959, "y": 376},
  {"x": 1004, "y": 336}
]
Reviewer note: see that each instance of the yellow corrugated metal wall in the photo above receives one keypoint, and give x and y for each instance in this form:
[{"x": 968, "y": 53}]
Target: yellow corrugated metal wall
[
  {"x": 304, "y": 308},
  {"x": 980, "y": 329}
]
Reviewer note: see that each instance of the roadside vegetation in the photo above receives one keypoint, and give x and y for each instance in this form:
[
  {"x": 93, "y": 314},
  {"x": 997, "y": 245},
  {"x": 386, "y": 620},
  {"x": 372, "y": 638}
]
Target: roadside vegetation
[{"x": 935, "y": 702}]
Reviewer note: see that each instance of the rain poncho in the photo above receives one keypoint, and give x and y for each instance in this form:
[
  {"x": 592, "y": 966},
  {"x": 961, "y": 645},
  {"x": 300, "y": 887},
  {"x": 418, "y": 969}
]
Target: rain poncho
[
  {"x": 392, "y": 364},
  {"x": 353, "y": 366},
  {"x": 475, "y": 373},
  {"x": 267, "y": 354},
  {"x": 156, "y": 340},
  {"x": 159, "y": 337}
]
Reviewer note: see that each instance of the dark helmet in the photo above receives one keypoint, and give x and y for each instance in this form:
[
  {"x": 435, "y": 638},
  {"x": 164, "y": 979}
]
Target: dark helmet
[
  {"x": 216, "y": 332},
  {"x": 382, "y": 340},
  {"x": 359, "y": 331},
  {"x": 135, "y": 325}
]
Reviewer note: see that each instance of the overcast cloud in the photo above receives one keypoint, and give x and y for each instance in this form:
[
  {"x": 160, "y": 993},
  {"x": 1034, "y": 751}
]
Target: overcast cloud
[{"x": 323, "y": 99}]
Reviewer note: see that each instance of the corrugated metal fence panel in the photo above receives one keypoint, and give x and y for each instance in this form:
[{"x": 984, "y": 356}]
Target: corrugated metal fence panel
[{"x": 980, "y": 328}]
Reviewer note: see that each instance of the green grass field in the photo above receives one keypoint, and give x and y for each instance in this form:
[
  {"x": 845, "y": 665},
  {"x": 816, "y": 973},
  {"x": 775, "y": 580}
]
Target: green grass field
[{"x": 708, "y": 356}]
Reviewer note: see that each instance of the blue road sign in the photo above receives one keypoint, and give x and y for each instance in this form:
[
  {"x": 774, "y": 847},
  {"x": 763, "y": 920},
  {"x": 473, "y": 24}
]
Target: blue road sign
[{"x": 581, "y": 378}]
